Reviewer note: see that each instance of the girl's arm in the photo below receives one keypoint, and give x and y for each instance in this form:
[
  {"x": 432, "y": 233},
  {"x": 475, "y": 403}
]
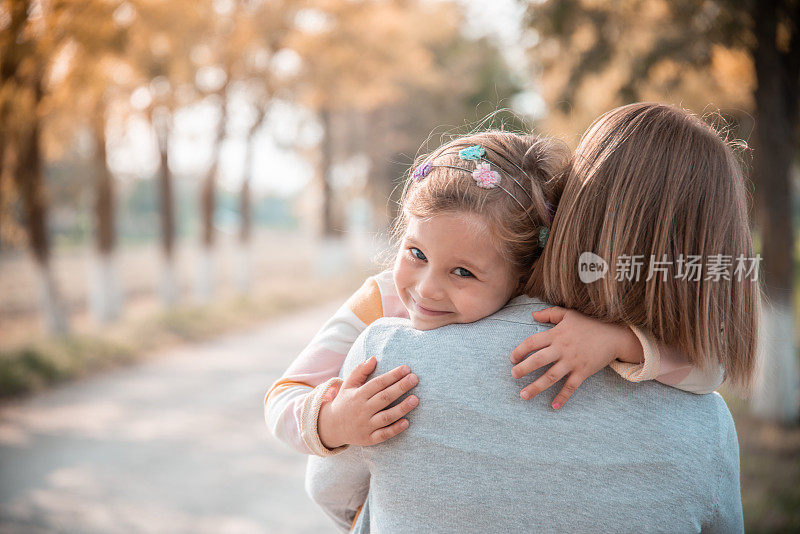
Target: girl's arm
[
  {"x": 339, "y": 485},
  {"x": 669, "y": 366},
  {"x": 292, "y": 405},
  {"x": 579, "y": 346}
]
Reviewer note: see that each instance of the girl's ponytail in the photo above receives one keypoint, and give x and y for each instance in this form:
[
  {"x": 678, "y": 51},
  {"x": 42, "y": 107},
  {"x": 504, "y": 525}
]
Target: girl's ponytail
[{"x": 545, "y": 158}]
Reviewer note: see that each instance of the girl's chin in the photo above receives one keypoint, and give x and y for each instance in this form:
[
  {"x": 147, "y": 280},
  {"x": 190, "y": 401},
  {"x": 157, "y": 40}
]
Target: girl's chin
[{"x": 427, "y": 323}]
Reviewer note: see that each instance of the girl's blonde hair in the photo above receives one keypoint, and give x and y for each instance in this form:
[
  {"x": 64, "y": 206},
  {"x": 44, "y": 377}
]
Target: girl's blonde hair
[
  {"x": 513, "y": 222},
  {"x": 655, "y": 181}
]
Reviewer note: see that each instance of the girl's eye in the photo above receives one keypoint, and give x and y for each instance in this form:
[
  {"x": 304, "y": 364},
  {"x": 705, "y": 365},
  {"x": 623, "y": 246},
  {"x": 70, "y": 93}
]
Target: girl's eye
[
  {"x": 417, "y": 253},
  {"x": 460, "y": 271}
]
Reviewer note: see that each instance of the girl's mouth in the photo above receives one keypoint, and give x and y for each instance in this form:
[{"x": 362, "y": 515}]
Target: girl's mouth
[{"x": 427, "y": 311}]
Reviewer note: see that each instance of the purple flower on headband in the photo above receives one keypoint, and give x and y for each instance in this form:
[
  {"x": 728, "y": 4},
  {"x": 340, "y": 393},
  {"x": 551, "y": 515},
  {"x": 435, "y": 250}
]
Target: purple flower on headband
[
  {"x": 485, "y": 177},
  {"x": 421, "y": 171},
  {"x": 551, "y": 210},
  {"x": 472, "y": 152}
]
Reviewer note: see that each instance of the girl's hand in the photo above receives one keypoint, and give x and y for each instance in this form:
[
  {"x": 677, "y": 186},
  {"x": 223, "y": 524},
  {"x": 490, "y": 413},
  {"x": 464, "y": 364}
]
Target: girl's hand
[
  {"x": 357, "y": 415},
  {"x": 577, "y": 346}
]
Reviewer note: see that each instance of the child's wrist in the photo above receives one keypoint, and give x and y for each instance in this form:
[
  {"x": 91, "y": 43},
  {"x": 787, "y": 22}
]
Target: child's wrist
[
  {"x": 327, "y": 431},
  {"x": 632, "y": 351}
]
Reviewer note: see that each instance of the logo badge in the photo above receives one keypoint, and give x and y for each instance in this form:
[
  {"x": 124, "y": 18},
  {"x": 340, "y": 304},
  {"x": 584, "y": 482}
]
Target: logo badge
[{"x": 591, "y": 267}]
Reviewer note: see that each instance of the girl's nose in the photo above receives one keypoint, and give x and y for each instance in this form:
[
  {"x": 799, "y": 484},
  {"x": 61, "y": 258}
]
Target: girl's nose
[{"x": 430, "y": 287}]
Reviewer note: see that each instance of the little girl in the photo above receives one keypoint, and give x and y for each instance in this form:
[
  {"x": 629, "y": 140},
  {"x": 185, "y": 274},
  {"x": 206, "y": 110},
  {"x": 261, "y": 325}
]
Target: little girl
[{"x": 475, "y": 218}]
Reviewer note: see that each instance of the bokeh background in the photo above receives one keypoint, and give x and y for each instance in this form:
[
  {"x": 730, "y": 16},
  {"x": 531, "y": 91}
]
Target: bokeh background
[{"x": 204, "y": 181}]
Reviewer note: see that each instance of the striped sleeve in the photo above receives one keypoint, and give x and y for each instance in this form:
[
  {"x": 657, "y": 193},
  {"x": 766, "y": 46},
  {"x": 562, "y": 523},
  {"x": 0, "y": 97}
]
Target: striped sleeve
[
  {"x": 668, "y": 366},
  {"x": 291, "y": 406}
]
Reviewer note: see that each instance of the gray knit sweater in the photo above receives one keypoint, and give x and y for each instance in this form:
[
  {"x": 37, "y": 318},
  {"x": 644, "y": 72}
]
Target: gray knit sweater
[{"x": 618, "y": 457}]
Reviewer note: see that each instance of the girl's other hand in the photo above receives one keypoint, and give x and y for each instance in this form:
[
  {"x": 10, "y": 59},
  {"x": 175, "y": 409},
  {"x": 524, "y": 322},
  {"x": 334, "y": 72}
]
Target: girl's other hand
[
  {"x": 358, "y": 414},
  {"x": 577, "y": 346}
]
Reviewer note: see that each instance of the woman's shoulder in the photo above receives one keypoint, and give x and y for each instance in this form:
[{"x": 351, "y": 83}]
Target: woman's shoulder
[
  {"x": 519, "y": 309},
  {"x": 390, "y": 327}
]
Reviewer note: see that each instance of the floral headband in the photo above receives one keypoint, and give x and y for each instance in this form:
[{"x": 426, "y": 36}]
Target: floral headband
[{"x": 487, "y": 178}]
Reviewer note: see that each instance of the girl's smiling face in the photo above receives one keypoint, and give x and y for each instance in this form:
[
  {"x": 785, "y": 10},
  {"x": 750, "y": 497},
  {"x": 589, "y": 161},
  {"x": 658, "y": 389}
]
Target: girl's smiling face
[{"x": 448, "y": 270}]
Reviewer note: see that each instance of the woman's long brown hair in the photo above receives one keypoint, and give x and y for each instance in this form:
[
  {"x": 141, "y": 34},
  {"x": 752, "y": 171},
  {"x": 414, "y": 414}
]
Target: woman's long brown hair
[{"x": 655, "y": 181}]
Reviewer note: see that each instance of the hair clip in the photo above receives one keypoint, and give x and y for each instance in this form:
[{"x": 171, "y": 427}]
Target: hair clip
[
  {"x": 421, "y": 171},
  {"x": 485, "y": 177},
  {"x": 471, "y": 153},
  {"x": 544, "y": 233}
]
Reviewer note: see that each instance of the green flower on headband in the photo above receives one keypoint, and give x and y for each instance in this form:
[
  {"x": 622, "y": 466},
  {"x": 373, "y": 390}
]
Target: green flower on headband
[
  {"x": 472, "y": 152},
  {"x": 544, "y": 232}
]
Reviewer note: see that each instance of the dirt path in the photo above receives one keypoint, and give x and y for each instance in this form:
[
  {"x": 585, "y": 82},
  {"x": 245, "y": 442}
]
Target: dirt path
[{"x": 176, "y": 444}]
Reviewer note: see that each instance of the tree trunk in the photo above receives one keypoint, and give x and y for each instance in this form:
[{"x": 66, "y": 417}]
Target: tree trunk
[
  {"x": 326, "y": 162},
  {"x": 207, "y": 202},
  {"x": 331, "y": 250},
  {"x": 381, "y": 183},
  {"x": 205, "y": 275},
  {"x": 168, "y": 285},
  {"x": 104, "y": 293},
  {"x": 13, "y": 30},
  {"x": 245, "y": 263},
  {"x": 775, "y": 144},
  {"x": 3, "y": 155},
  {"x": 31, "y": 187},
  {"x": 246, "y": 212},
  {"x": 244, "y": 271},
  {"x": 205, "y": 272}
]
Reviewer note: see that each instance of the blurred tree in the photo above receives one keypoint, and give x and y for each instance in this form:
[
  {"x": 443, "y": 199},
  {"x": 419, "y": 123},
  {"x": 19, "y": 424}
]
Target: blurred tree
[
  {"x": 361, "y": 55},
  {"x": 164, "y": 58},
  {"x": 242, "y": 39},
  {"x": 262, "y": 29},
  {"x": 244, "y": 275},
  {"x": 91, "y": 74},
  {"x": 36, "y": 39},
  {"x": 737, "y": 54},
  {"x": 105, "y": 294},
  {"x": 22, "y": 69},
  {"x": 221, "y": 53},
  {"x": 431, "y": 114}
]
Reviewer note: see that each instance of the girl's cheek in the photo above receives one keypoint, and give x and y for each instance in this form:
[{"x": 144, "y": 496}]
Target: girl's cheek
[{"x": 403, "y": 271}]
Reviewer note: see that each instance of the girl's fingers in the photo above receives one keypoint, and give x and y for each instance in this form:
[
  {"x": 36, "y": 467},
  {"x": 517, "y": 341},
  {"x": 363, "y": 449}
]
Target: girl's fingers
[
  {"x": 385, "y": 397},
  {"x": 553, "y": 375},
  {"x": 534, "y": 361},
  {"x": 533, "y": 343},
  {"x": 383, "y": 381},
  {"x": 552, "y": 315},
  {"x": 387, "y": 417},
  {"x": 566, "y": 392},
  {"x": 331, "y": 393},
  {"x": 359, "y": 375},
  {"x": 382, "y": 434}
]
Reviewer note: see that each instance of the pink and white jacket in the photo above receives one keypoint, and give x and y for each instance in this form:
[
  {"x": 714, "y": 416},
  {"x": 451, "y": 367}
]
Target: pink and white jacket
[{"x": 291, "y": 406}]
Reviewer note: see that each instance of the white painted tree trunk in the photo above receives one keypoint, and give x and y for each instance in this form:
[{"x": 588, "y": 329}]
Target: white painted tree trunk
[
  {"x": 244, "y": 267},
  {"x": 168, "y": 284},
  {"x": 105, "y": 296},
  {"x": 777, "y": 394},
  {"x": 359, "y": 232},
  {"x": 51, "y": 307},
  {"x": 332, "y": 260},
  {"x": 204, "y": 283}
]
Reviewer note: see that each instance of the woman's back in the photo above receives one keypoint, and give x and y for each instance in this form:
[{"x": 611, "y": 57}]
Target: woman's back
[{"x": 477, "y": 458}]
